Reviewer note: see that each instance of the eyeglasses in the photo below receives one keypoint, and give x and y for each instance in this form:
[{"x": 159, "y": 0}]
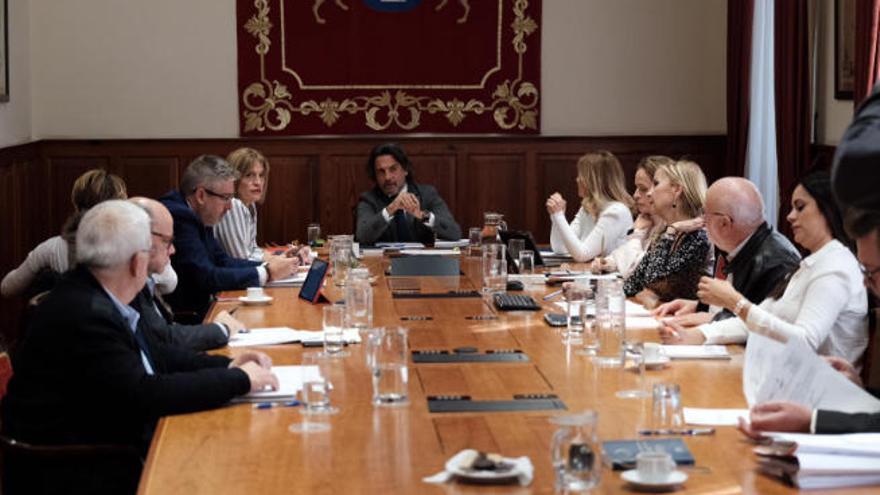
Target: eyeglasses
[
  {"x": 225, "y": 197},
  {"x": 167, "y": 240}
]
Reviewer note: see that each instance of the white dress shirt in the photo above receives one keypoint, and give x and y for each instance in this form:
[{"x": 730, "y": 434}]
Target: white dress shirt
[
  {"x": 585, "y": 238},
  {"x": 825, "y": 304}
]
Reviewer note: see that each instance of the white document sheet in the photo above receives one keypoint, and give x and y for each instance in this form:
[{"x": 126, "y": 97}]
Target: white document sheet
[
  {"x": 400, "y": 245},
  {"x": 696, "y": 351},
  {"x": 295, "y": 280},
  {"x": 290, "y": 380},
  {"x": 430, "y": 252},
  {"x": 285, "y": 335},
  {"x": 632, "y": 309},
  {"x": 862, "y": 444},
  {"x": 714, "y": 417},
  {"x": 798, "y": 374}
]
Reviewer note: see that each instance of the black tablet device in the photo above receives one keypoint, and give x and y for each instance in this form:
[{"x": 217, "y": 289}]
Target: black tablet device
[{"x": 311, "y": 288}]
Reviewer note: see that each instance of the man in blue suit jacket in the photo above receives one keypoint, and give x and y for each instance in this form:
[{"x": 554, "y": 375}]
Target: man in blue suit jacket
[{"x": 202, "y": 267}]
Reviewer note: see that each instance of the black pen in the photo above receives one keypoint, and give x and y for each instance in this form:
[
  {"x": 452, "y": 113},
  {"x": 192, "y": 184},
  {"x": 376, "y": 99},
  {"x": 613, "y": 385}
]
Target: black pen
[{"x": 674, "y": 431}]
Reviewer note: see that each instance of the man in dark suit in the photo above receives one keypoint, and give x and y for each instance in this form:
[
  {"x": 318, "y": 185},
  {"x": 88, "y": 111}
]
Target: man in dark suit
[
  {"x": 749, "y": 253},
  {"x": 88, "y": 373},
  {"x": 151, "y": 306},
  {"x": 203, "y": 268},
  {"x": 398, "y": 209}
]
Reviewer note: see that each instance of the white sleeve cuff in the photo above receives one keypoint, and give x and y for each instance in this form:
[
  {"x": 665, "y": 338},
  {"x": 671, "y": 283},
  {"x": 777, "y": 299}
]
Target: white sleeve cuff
[
  {"x": 729, "y": 331},
  {"x": 430, "y": 222},
  {"x": 387, "y": 216},
  {"x": 813, "y": 420},
  {"x": 263, "y": 274}
]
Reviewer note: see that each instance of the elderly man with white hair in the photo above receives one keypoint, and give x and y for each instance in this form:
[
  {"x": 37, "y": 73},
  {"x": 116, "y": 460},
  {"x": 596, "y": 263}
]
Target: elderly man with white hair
[
  {"x": 749, "y": 254},
  {"x": 88, "y": 373}
]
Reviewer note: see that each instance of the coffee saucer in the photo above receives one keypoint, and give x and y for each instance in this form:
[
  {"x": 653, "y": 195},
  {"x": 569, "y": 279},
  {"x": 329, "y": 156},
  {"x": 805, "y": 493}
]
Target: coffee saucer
[
  {"x": 658, "y": 363},
  {"x": 672, "y": 480},
  {"x": 255, "y": 300}
]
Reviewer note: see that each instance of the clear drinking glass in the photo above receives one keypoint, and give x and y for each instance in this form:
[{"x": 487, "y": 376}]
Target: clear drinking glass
[
  {"x": 358, "y": 302},
  {"x": 514, "y": 246},
  {"x": 494, "y": 268},
  {"x": 389, "y": 352},
  {"x": 667, "y": 406},
  {"x": 633, "y": 366},
  {"x": 576, "y": 298},
  {"x": 315, "y": 396},
  {"x": 526, "y": 263},
  {"x": 576, "y": 452},
  {"x": 334, "y": 324},
  {"x": 313, "y": 233},
  {"x": 611, "y": 320},
  {"x": 474, "y": 241}
]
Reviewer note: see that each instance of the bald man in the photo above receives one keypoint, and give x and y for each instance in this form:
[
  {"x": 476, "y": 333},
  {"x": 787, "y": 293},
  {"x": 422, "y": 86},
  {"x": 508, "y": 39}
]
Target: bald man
[
  {"x": 148, "y": 303},
  {"x": 749, "y": 254}
]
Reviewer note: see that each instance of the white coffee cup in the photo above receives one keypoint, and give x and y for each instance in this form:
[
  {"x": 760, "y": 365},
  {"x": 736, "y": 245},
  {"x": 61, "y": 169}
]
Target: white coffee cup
[
  {"x": 255, "y": 293},
  {"x": 652, "y": 351},
  {"x": 654, "y": 467}
]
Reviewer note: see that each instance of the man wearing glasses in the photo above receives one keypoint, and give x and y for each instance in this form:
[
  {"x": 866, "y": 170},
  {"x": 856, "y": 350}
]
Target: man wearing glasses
[
  {"x": 748, "y": 253},
  {"x": 202, "y": 267}
]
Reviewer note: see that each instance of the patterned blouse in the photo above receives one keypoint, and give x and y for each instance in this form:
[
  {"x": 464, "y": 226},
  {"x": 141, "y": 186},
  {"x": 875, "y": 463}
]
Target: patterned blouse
[{"x": 672, "y": 267}]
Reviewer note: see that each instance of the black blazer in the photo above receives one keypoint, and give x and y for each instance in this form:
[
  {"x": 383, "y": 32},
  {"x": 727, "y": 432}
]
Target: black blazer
[
  {"x": 78, "y": 375},
  {"x": 372, "y": 227},
  {"x": 762, "y": 263},
  {"x": 163, "y": 328}
]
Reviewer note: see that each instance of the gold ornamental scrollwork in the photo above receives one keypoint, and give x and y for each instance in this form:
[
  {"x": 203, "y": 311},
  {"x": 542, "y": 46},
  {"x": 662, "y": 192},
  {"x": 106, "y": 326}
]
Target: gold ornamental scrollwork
[{"x": 269, "y": 104}]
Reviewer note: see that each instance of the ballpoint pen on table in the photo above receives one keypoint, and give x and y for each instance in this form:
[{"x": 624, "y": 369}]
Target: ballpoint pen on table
[
  {"x": 677, "y": 431},
  {"x": 271, "y": 404},
  {"x": 552, "y": 294}
]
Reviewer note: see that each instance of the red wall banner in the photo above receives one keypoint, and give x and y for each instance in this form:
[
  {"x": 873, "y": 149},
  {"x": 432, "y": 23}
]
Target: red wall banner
[{"x": 388, "y": 66}]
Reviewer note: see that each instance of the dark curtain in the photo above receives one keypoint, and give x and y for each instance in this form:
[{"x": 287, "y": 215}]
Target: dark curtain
[
  {"x": 791, "y": 59},
  {"x": 866, "y": 56},
  {"x": 739, "y": 60}
]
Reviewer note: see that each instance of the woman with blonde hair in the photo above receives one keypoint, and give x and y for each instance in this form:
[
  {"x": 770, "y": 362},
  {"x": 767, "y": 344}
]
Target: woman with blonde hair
[
  {"x": 237, "y": 230},
  {"x": 58, "y": 254},
  {"x": 673, "y": 265},
  {"x": 605, "y": 215},
  {"x": 646, "y": 227}
]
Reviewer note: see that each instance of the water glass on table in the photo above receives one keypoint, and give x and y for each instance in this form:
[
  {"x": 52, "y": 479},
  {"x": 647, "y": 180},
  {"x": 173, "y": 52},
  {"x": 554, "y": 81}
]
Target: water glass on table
[
  {"x": 474, "y": 241},
  {"x": 334, "y": 324},
  {"x": 666, "y": 409},
  {"x": 514, "y": 246},
  {"x": 576, "y": 452},
  {"x": 388, "y": 354},
  {"x": 315, "y": 396},
  {"x": 633, "y": 367},
  {"x": 313, "y": 234},
  {"x": 358, "y": 302},
  {"x": 494, "y": 268},
  {"x": 526, "y": 263}
]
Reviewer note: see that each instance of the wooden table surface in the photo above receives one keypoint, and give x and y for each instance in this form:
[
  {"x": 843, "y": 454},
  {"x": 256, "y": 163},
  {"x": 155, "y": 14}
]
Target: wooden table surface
[{"x": 239, "y": 449}]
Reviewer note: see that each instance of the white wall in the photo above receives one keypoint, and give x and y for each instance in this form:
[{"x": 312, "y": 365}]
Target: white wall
[
  {"x": 634, "y": 66},
  {"x": 833, "y": 115},
  {"x": 15, "y": 115},
  {"x": 167, "y": 68}
]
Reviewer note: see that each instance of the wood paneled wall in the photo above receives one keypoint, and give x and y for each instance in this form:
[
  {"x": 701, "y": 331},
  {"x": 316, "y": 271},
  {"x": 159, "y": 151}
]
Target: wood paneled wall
[{"x": 319, "y": 179}]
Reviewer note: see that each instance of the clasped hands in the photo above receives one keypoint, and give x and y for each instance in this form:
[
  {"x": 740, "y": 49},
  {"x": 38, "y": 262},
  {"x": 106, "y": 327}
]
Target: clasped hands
[
  {"x": 258, "y": 367},
  {"x": 407, "y": 202},
  {"x": 681, "y": 319},
  {"x": 555, "y": 203}
]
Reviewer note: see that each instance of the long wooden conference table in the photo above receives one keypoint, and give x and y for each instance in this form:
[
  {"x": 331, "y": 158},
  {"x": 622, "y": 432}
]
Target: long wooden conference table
[{"x": 240, "y": 449}]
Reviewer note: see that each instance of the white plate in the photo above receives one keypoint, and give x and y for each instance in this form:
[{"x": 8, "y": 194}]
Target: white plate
[
  {"x": 656, "y": 364},
  {"x": 453, "y": 465},
  {"x": 674, "y": 479},
  {"x": 255, "y": 300}
]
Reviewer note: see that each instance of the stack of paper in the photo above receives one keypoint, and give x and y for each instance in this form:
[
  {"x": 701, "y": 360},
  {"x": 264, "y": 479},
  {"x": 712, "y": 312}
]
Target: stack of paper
[
  {"x": 824, "y": 461},
  {"x": 290, "y": 380},
  {"x": 696, "y": 351},
  {"x": 714, "y": 417},
  {"x": 284, "y": 335}
]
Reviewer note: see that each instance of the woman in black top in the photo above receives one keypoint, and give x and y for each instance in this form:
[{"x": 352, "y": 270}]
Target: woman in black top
[{"x": 673, "y": 265}]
